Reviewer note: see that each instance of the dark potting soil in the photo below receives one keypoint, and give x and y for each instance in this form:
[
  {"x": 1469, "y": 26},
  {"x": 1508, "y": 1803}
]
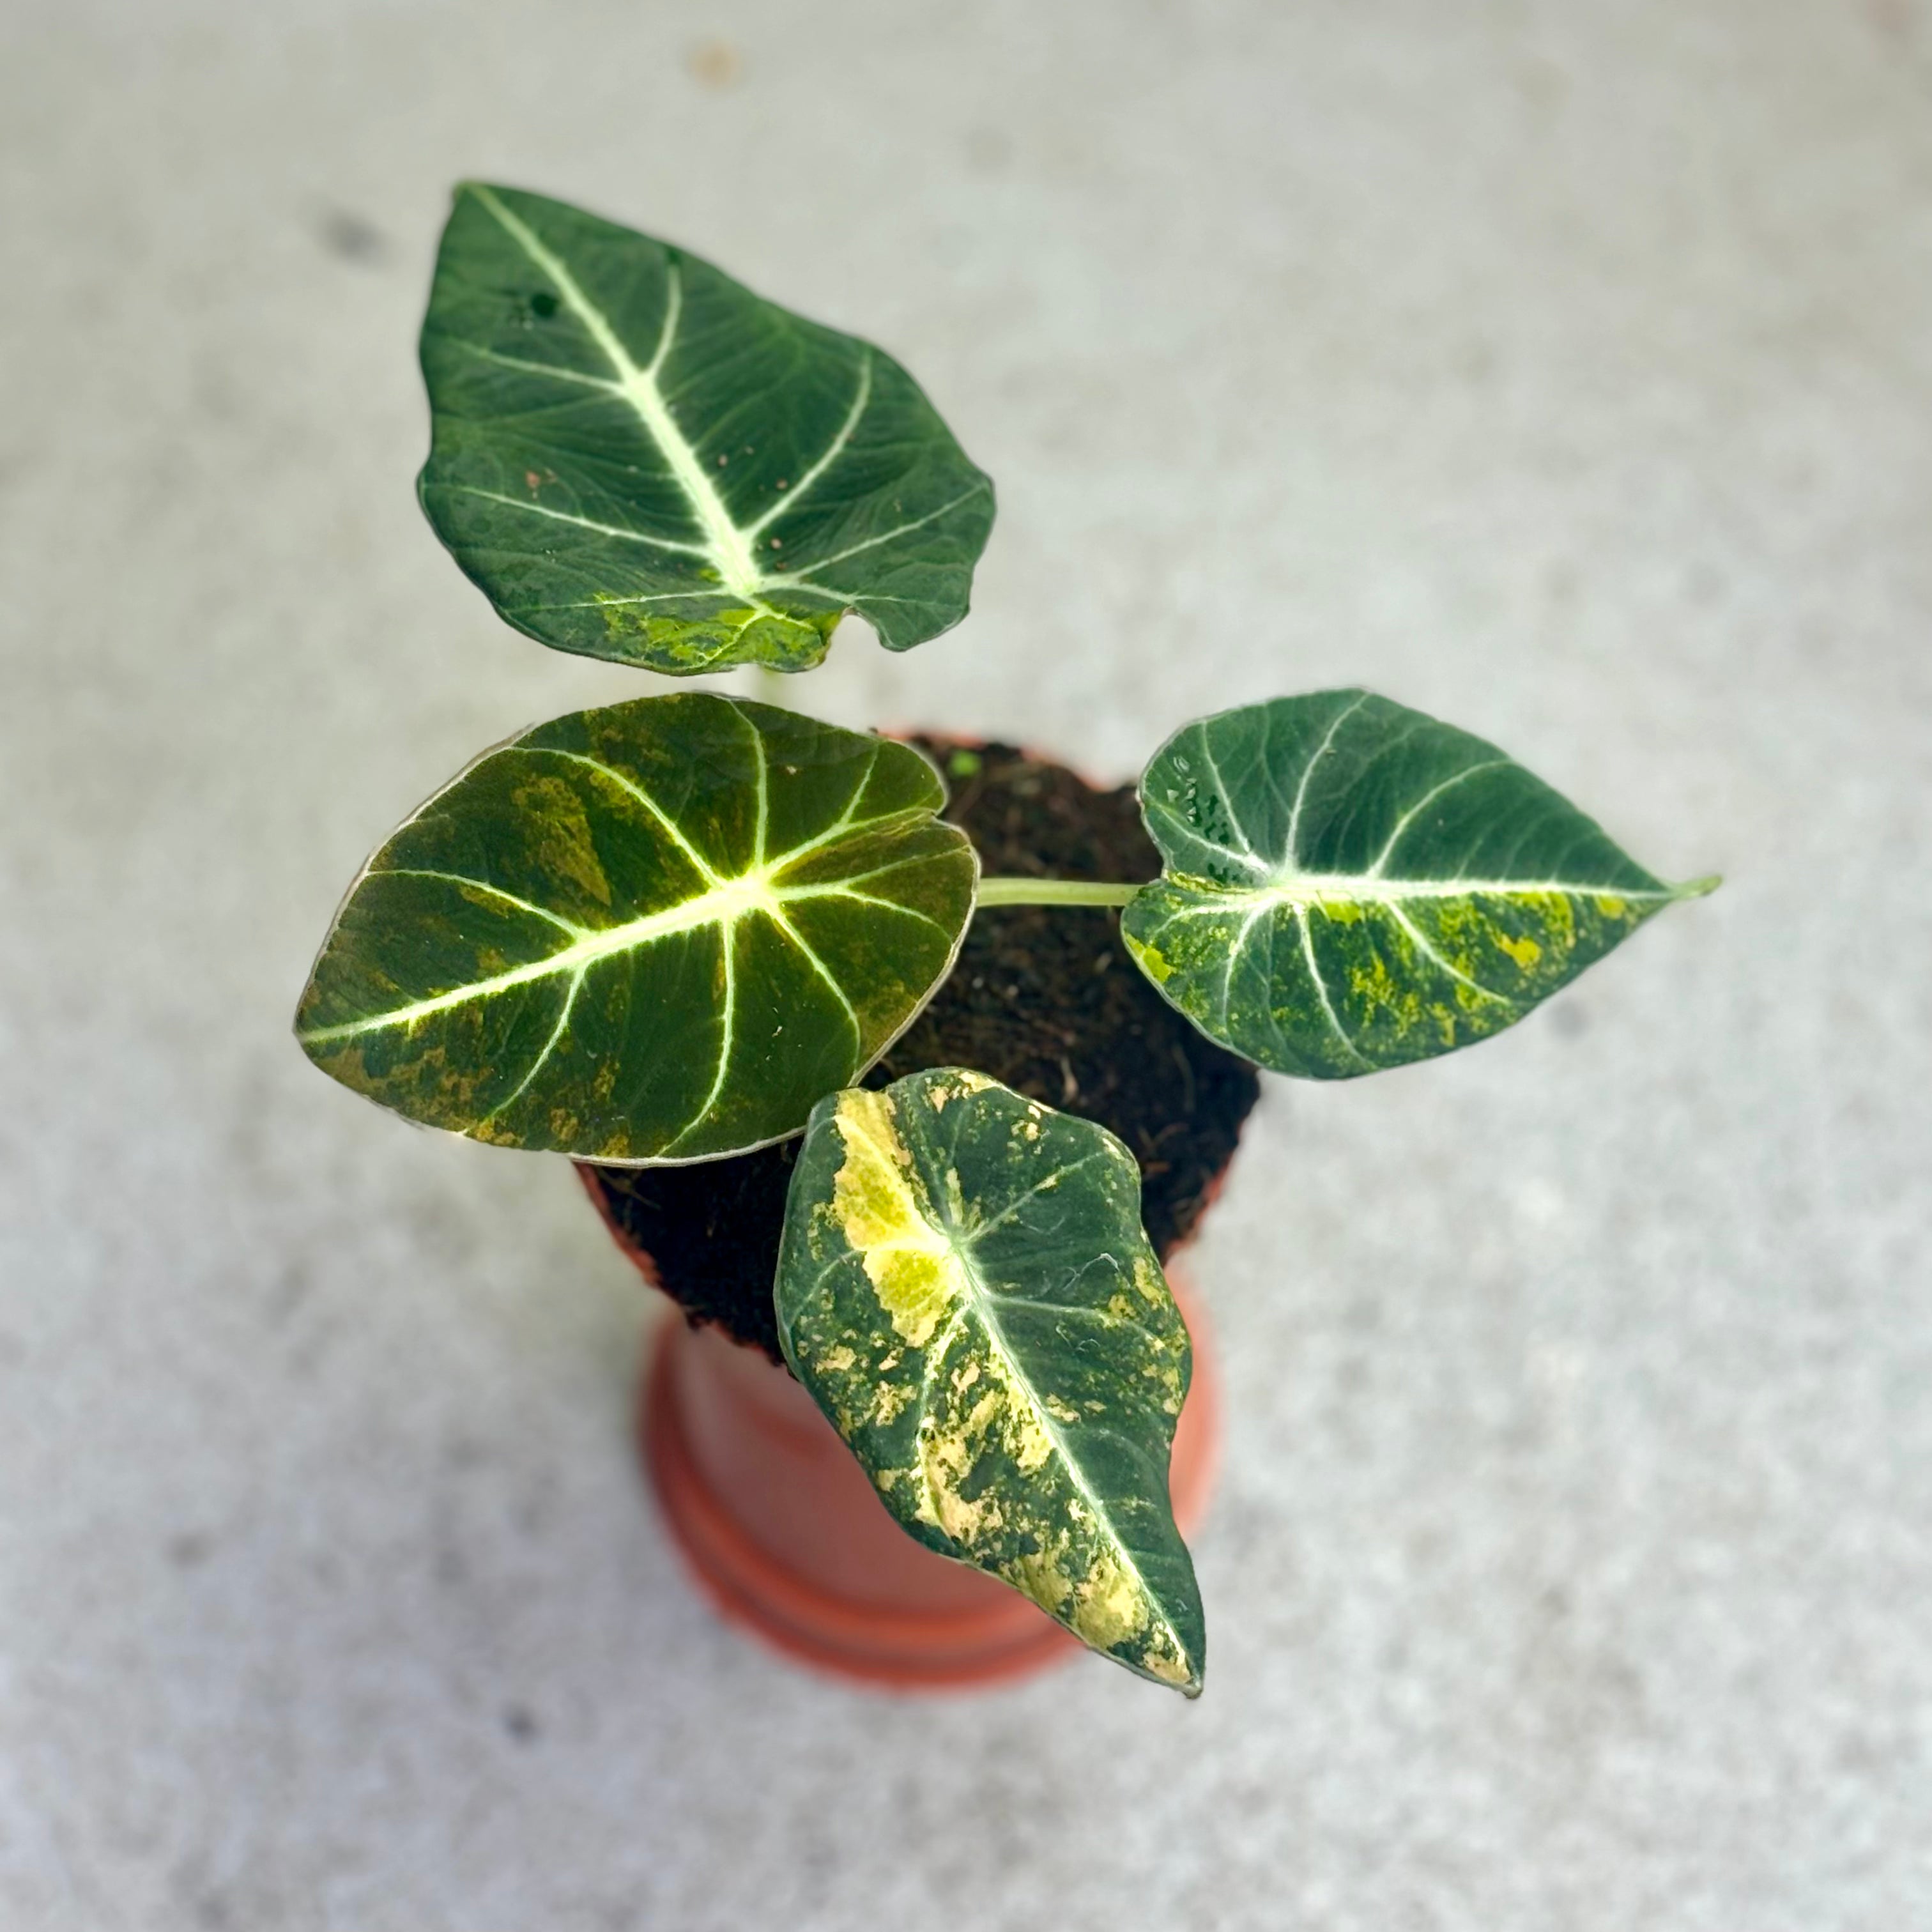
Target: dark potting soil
[{"x": 1043, "y": 998}]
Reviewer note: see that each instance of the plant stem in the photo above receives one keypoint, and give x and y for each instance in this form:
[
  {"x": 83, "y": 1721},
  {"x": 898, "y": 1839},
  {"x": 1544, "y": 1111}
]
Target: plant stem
[{"x": 1053, "y": 892}]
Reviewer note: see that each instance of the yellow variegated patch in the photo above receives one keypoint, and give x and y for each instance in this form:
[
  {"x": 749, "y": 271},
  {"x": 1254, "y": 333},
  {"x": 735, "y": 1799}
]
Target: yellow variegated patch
[{"x": 965, "y": 1288}]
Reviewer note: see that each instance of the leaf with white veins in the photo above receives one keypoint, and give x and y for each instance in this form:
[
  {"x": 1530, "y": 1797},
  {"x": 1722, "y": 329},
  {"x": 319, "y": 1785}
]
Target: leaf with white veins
[
  {"x": 964, "y": 1287},
  {"x": 656, "y": 932},
  {"x": 636, "y": 458},
  {"x": 1350, "y": 885}
]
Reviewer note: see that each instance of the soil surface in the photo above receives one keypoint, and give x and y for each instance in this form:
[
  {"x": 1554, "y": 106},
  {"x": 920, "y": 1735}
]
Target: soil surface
[{"x": 1043, "y": 998}]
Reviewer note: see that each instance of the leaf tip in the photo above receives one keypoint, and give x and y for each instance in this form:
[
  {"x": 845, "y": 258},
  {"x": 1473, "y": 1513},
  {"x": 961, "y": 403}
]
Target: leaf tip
[
  {"x": 1176, "y": 1663},
  {"x": 1699, "y": 888}
]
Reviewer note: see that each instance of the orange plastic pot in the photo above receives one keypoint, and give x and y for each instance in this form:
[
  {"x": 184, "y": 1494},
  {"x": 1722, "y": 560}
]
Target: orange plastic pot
[{"x": 781, "y": 1529}]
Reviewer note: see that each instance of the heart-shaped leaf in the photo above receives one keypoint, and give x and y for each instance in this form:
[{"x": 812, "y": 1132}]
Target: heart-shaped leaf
[
  {"x": 656, "y": 932},
  {"x": 636, "y": 458},
  {"x": 1350, "y": 885},
  {"x": 964, "y": 1287}
]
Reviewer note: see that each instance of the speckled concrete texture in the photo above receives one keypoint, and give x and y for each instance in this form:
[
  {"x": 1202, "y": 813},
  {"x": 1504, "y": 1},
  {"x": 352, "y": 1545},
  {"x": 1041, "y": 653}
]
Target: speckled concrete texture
[{"x": 1565, "y": 369}]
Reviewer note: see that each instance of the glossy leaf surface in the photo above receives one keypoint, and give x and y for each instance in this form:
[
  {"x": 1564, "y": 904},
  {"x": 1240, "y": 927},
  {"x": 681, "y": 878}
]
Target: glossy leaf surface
[
  {"x": 636, "y": 458},
  {"x": 659, "y": 932},
  {"x": 964, "y": 1287},
  {"x": 1350, "y": 885}
]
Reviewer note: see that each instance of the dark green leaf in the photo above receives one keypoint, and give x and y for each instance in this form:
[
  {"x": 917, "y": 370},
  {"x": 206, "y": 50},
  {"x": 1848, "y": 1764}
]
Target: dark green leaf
[
  {"x": 965, "y": 1288},
  {"x": 656, "y": 932},
  {"x": 636, "y": 458},
  {"x": 1350, "y": 885}
]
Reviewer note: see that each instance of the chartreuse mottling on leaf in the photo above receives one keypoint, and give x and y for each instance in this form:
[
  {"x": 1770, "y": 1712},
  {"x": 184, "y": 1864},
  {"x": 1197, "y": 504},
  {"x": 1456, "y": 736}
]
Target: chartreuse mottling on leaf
[
  {"x": 964, "y": 1287},
  {"x": 659, "y": 932},
  {"x": 636, "y": 458},
  {"x": 1350, "y": 885}
]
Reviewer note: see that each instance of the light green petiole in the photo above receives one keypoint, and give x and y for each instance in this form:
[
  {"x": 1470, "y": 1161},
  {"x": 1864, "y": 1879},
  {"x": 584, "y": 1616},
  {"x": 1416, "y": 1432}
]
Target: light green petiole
[{"x": 1053, "y": 892}]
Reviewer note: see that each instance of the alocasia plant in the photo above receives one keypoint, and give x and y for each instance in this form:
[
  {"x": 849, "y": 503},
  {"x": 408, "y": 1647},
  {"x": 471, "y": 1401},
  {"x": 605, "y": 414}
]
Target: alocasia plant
[{"x": 680, "y": 927}]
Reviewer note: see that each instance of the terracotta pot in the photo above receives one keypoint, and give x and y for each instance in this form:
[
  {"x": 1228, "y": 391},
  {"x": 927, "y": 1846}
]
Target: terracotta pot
[{"x": 782, "y": 1530}]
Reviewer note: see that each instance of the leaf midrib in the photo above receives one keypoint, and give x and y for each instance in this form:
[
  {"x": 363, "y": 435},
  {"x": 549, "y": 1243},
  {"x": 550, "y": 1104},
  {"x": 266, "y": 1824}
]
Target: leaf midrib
[
  {"x": 728, "y": 545},
  {"x": 751, "y": 895},
  {"x": 1298, "y": 889},
  {"x": 983, "y": 1297}
]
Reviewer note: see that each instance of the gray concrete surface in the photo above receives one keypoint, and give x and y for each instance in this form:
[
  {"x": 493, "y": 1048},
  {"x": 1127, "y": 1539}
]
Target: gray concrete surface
[{"x": 1565, "y": 369}]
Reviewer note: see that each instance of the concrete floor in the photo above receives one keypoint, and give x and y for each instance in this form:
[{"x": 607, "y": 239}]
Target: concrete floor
[{"x": 1565, "y": 369}]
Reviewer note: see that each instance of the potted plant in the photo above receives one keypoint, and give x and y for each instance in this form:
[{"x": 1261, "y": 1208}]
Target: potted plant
[{"x": 676, "y": 939}]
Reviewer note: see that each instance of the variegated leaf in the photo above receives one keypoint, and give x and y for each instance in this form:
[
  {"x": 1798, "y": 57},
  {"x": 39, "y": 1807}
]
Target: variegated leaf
[
  {"x": 1350, "y": 885},
  {"x": 656, "y": 932},
  {"x": 636, "y": 458},
  {"x": 964, "y": 1287}
]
